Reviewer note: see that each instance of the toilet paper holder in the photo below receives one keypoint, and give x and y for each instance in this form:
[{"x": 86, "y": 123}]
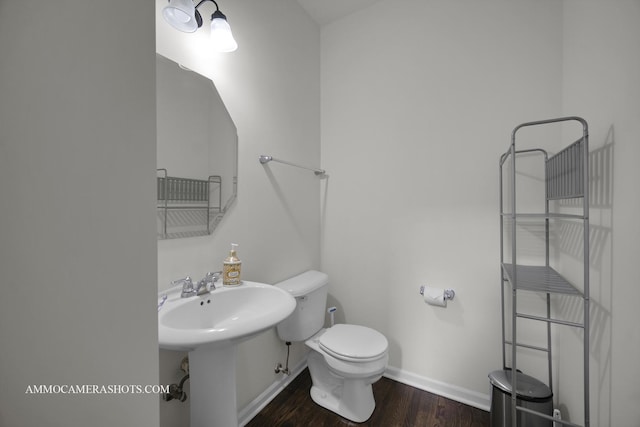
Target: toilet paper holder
[{"x": 448, "y": 293}]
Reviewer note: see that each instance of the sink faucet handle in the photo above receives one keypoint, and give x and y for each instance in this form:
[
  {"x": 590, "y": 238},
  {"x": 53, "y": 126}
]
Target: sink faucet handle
[
  {"x": 209, "y": 280},
  {"x": 185, "y": 281},
  {"x": 187, "y": 286},
  {"x": 212, "y": 276}
]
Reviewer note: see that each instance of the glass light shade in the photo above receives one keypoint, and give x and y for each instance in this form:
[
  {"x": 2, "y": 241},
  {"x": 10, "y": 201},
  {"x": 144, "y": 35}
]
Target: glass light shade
[
  {"x": 221, "y": 38},
  {"x": 181, "y": 15}
]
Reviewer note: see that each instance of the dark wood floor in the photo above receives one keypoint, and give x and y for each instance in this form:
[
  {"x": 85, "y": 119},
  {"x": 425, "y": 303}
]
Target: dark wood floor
[{"x": 397, "y": 405}]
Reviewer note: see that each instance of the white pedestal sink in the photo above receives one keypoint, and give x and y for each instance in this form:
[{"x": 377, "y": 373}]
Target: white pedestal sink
[{"x": 209, "y": 327}]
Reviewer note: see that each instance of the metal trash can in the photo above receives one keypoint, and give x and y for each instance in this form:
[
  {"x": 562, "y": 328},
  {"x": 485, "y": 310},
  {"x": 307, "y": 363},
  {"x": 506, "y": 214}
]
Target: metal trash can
[{"x": 531, "y": 394}]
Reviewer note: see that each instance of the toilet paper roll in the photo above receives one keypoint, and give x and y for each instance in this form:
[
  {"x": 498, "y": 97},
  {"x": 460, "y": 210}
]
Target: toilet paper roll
[{"x": 434, "y": 296}]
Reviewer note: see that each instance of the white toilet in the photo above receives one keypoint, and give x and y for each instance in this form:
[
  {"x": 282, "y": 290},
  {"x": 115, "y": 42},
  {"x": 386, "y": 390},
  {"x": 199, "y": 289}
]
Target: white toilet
[{"x": 344, "y": 360}]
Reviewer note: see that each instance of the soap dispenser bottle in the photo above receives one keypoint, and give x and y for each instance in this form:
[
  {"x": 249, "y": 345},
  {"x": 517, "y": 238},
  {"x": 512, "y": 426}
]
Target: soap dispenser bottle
[{"x": 231, "y": 268}]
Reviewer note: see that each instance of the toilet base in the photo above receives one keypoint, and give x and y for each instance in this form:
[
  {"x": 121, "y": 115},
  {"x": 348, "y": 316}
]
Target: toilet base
[
  {"x": 329, "y": 401},
  {"x": 350, "y": 398}
]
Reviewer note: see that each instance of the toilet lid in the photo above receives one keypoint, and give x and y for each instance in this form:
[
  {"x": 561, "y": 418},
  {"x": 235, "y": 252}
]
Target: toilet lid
[{"x": 353, "y": 342}]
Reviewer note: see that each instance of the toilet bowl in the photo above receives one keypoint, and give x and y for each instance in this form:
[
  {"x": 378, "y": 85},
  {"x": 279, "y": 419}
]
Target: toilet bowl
[{"x": 344, "y": 360}]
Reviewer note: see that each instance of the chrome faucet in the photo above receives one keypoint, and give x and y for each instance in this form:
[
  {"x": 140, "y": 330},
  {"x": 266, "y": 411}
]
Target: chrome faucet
[
  {"x": 187, "y": 287},
  {"x": 208, "y": 283}
]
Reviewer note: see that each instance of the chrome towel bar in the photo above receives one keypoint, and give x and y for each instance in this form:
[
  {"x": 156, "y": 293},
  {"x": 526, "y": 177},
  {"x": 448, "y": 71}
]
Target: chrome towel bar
[{"x": 266, "y": 159}]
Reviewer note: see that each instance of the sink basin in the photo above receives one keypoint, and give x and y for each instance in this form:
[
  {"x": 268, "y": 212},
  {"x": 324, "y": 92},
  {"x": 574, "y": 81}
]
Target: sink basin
[
  {"x": 209, "y": 327},
  {"x": 223, "y": 317}
]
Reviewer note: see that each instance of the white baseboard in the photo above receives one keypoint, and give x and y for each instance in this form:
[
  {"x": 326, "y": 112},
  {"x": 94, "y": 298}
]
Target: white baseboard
[
  {"x": 459, "y": 394},
  {"x": 254, "y": 407}
]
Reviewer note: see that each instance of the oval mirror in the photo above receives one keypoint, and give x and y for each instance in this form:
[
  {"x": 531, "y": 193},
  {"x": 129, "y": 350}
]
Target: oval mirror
[{"x": 197, "y": 153}]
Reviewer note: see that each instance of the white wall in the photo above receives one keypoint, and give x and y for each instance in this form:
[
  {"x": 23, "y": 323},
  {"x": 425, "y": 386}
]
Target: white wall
[
  {"x": 413, "y": 122},
  {"x": 270, "y": 86},
  {"x": 601, "y": 65},
  {"x": 414, "y": 118},
  {"x": 77, "y": 252}
]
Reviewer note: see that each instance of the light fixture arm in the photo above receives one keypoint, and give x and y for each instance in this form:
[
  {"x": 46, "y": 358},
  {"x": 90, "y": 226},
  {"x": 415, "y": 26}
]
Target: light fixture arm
[
  {"x": 199, "y": 16},
  {"x": 212, "y": 1}
]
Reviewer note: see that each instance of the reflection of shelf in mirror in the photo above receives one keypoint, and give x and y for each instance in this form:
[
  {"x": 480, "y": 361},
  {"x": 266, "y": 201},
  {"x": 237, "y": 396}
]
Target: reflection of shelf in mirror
[
  {"x": 182, "y": 223},
  {"x": 186, "y": 206}
]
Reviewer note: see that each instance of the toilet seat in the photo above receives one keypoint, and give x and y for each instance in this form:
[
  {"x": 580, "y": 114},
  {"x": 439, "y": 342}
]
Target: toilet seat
[{"x": 353, "y": 343}]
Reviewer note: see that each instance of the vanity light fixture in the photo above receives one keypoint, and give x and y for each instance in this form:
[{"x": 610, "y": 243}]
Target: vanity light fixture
[{"x": 184, "y": 16}]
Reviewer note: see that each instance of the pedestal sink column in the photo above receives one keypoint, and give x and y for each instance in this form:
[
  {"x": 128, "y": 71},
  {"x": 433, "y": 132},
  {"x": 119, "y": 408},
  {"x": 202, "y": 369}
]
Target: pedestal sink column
[{"x": 212, "y": 373}]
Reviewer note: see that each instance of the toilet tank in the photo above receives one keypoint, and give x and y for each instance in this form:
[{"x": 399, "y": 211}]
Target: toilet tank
[{"x": 310, "y": 291}]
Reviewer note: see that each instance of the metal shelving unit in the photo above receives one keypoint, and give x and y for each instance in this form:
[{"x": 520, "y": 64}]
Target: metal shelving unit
[
  {"x": 187, "y": 207},
  {"x": 566, "y": 176}
]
